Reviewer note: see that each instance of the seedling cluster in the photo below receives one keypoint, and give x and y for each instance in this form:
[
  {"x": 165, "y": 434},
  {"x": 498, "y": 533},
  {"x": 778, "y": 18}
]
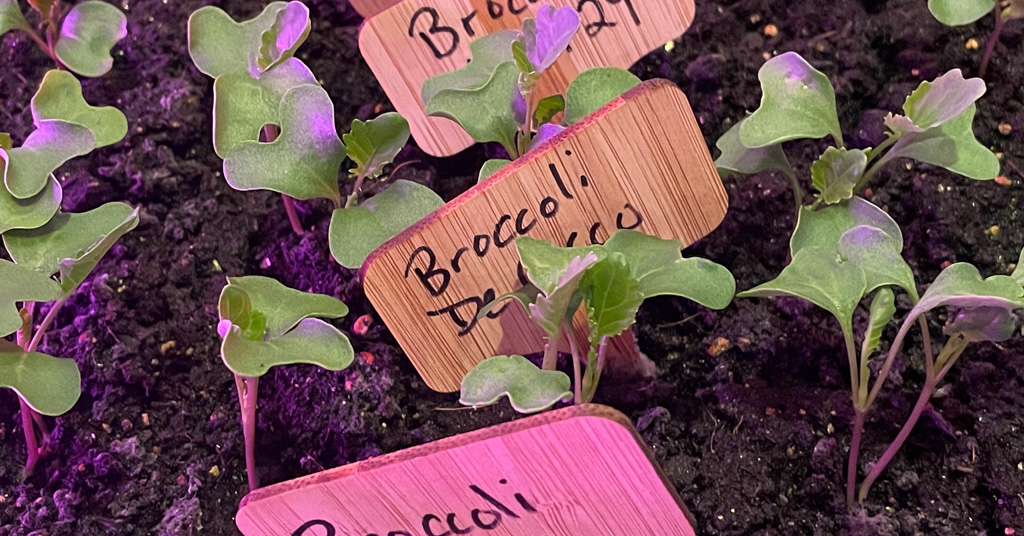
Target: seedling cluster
[
  {"x": 78, "y": 38},
  {"x": 53, "y": 252}
]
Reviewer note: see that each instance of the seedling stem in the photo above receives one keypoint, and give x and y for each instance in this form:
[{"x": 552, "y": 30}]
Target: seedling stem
[{"x": 247, "y": 390}]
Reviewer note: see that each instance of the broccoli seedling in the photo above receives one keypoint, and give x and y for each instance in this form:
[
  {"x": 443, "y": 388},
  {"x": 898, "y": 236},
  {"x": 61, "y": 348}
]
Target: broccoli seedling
[
  {"x": 963, "y": 12},
  {"x": 610, "y": 281},
  {"x": 265, "y": 324},
  {"x": 274, "y": 127},
  {"x": 70, "y": 246},
  {"x": 845, "y": 252},
  {"x": 493, "y": 98},
  {"x": 79, "y": 38},
  {"x": 798, "y": 102}
]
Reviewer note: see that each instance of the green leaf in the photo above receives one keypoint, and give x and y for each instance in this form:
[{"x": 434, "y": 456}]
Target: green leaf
[
  {"x": 797, "y": 102},
  {"x": 951, "y": 146},
  {"x": 836, "y": 172},
  {"x": 303, "y": 162},
  {"x": 72, "y": 244},
  {"x": 817, "y": 275},
  {"x": 375, "y": 143},
  {"x": 236, "y": 307},
  {"x": 961, "y": 285},
  {"x": 486, "y": 113},
  {"x": 935, "y": 103},
  {"x": 278, "y": 44},
  {"x": 21, "y": 284},
  {"x": 883, "y": 308},
  {"x": 49, "y": 385},
  {"x": 526, "y": 295},
  {"x": 612, "y": 297},
  {"x": 243, "y": 105},
  {"x": 977, "y": 324},
  {"x": 878, "y": 254},
  {"x": 738, "y": 158},
  {"x": 357, "y": 231},
  {"x": 547, "y": 108},
  {"x": 491, "y": 167},
  {"x": 29, "y": 213},
  {"x": 545, "y": 263},
  {"x": 218, "y": 45},
  {"x": 660, "y": 270},
  {"x": 594, "y": 88},
  {"x": 11, "y": 17},
  {"x": 824, "y": 227},
  {"x": 60, "y": 97},
  {"x": 550, "y": 311},
  {"x": 87, "y": 34},
  {"x": 1018, "y": 271},
  {"x": 27, "y": 168},
  {"x": 282, "y": 307},
  {"x": 488, "y": 53},
  {"x": 528, "y": 388},
  {"x": 522, "y": 61},
  {"x": 312, "y": 341},
  {"x": 5, "y": 141},
  {"x": 960, "y": 12}
]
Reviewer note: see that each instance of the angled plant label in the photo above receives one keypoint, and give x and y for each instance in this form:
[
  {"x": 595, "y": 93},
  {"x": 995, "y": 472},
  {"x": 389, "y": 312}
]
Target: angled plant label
[
  {"x": 638, "y": 163},
  {"x": 609, "y": 486},
  {"x": 413, "y": 40}
]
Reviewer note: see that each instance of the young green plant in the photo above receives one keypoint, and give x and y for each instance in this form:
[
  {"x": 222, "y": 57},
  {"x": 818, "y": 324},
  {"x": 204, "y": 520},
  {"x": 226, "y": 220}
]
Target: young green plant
[
  {"x": 610, "y": 282},
  {"x": 274, "y": 127},
  {"x": 78, "y": 38},
  {"x": 265, "y": 324},
  {"x": 798, "y": 102},
  {"x": 963, "y": 12},
  {"x": 494, "y": 97},
  {"x": 845, "y": 252}
]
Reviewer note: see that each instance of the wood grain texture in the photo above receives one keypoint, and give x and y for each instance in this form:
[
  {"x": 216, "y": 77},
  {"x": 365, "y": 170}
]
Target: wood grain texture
[
  {"x": 369, "y": 8},
  {"x": 583, "y": 470},
  {"x": 415, "y": 39},
  {"x": 644, "y": 161}
]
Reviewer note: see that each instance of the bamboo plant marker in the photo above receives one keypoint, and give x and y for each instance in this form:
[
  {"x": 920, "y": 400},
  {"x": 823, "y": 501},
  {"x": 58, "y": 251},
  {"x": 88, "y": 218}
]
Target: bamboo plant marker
[
  {"x": 369, "y": 8},
  {"x": 579, "y": 471},
  {"x": 638, "y": 163},
  {"x": 413, "y": 40}
]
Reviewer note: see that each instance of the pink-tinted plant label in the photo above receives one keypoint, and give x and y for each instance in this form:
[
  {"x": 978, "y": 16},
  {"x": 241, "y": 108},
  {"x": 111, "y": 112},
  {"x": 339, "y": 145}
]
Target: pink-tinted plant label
[{"x": 580, "y": 471}]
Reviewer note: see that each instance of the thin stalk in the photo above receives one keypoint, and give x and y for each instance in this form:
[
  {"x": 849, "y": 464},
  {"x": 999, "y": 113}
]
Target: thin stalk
[
  {"x": 851, "y": 467},
  {"x": 247, "y": 390},
  {"x": 551, "y": 351},
  {"x": 877, "y": 166},
  {"x": 355, "y": 191},
  {"x": 31, "y": 443},
  {"x": 42, "y": 44},
  {"x": 577, "y": 373},
  {"x": 598, "y": 368},
  {"x": 270, "y": 134},
  {"x": 51, "y": 315},
  {"x": 990, "y": 47}
]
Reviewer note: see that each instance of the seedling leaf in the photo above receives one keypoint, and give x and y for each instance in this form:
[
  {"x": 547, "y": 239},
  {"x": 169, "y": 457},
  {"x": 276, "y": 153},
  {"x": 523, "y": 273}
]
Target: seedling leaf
[
  {"x": 357, "y": 231},
  {"x": 594, "y": 88},
  {"x": 883, "y": 307},
  {"x": 5, "y": 141},
  {"x": 817, "y": 275},
  {"x": 547, "y": 108},
  {"x": 797, "y": 102},
  {"x": 49, "y": 385},
  {"x": 738, "y": 158},
  {"x": 29, "y": 213},
  {"x": 952, "y": 146},
  {"x": 960, "y": 12},
  {"x": 21, "y": 284},
  {"x": 71, "y": 244},
  {"x": 87, "y": 34},
  {"x": 612, "y": 297},
  {"x": 550, "y": 311},
  {"x": 28, "y": 168},
  {"x": 218, "y": 45},
  {"x": 60, "y": 97},
  {"x": 545, "y": 133},
  {"x": 876, "y": 253},
  {"x": 11, "y": 17},
  {"x": 243, "y": 105},
  {"x": 935, "y": 103},
  {"x": 1018, "y": 271},
  {"x": 282, "y": 307},
  {"x": 491, "y": 167},
  {"x": 660, "y": 270},
  {"x": 528, "y": 388},
  {"x": 313, "y": 342},
  {"x": 836, "y": 172},
  {"x": 290, "y": 29},
  {"x": 961, "y": 285},
  {"x": 304, "y": 160},
  {"x": 488, "y": 53},
  {"x": 487, "y": 113},
  {"x": 547, "y": 36},
  {"x": 545, "y": 263},
  {"x": 374, "y": 144},
  {"x": 824, "y": 227},
  {"x": 977, "y": 324}
]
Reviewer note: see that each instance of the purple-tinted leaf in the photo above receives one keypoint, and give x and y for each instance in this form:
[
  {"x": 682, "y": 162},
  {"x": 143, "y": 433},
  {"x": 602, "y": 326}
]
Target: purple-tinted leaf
[
  {"x": 545, "y": 133},
  {"x": 279, "y": 43},
  {"x": 934, "y": 103},
  {"x": 27, "y": 169},
  {"x": 978, "y": 324},
  {"x": 549, "y": 34},
  {"x": 87, "y": 34}
]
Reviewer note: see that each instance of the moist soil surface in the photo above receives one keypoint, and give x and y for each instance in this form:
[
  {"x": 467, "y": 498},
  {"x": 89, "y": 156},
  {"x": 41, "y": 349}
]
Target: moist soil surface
[{"x": 750, "y": 412}]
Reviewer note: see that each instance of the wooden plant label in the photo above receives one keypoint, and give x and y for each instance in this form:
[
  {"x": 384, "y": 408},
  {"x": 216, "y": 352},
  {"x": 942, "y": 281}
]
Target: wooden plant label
[
  {"x": 638, "y": 163},
  {"x": 369, "y": 8},
  {"x": 413, "y": 40},
  {"x": 580, "y": 471}
]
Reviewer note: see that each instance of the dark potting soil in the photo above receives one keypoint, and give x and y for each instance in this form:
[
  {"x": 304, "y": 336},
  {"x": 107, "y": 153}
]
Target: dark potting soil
[{"x": 753, "y": 434}]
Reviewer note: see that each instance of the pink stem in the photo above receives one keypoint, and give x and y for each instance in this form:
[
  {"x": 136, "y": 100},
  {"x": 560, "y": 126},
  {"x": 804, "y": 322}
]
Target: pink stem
[
  {"x": 31, "y": 443},
  {"x": 293, "y": 215},
  {"x": 851, "y": 468},
  {"x": 247, "y": 388},
  {"x": 992, "y": 40}
]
